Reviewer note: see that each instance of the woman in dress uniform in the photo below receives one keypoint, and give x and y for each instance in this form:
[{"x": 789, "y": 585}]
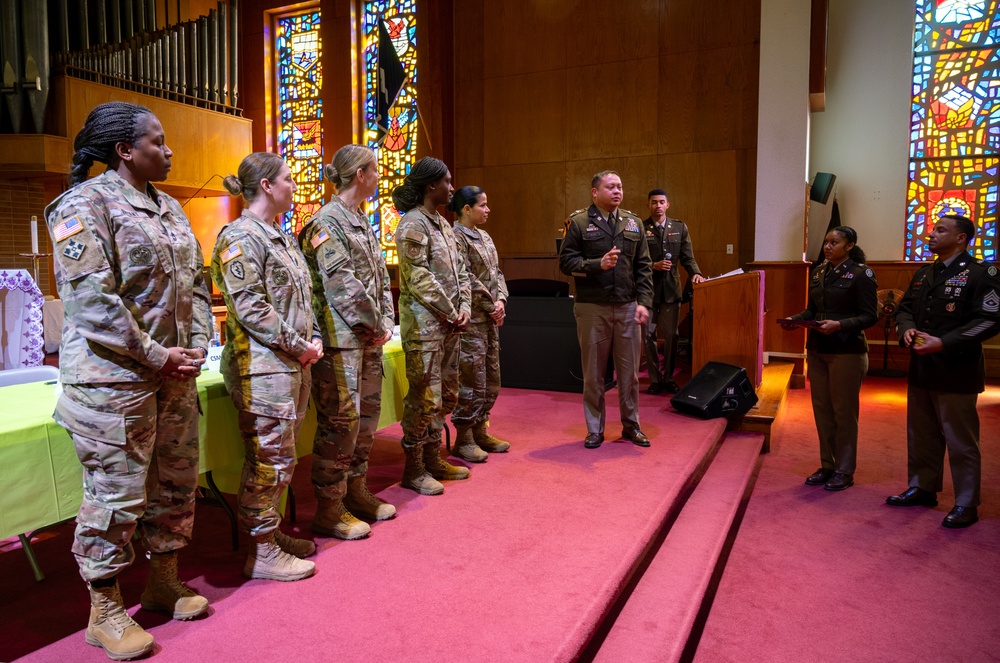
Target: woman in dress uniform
[
  {"x": 842, "y": 303},
  {"x": 270, "y": 346}
]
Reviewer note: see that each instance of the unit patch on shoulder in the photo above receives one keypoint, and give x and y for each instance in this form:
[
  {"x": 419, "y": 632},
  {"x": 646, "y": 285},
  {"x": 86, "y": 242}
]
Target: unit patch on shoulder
[
  {"x": 991, "y": 302},
  {"x": 74, "y": 249},
  {"x": 237, "y": 270},
  {"x": 992, "y": 270},
  {"x": 869, "y": 273},
  {"x": 319, "y": 238},
  {"x": 233, "y": 251}
]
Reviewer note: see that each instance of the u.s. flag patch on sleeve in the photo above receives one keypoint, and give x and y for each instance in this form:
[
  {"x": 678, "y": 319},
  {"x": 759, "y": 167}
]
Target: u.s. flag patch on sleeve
[
  {"x": 320, "y": 237},
  {"x": 67, "y": 228},
  {"x": 233, "y": 251}
]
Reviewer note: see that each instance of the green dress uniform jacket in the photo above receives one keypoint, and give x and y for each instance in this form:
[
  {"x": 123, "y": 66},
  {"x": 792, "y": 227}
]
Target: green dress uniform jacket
[
  {"x": 674, "y": 240},
  {"x": 848, "y": 293},
  {"x": 588, "y": 238},
  {"x": 129, "y": 272},
  {"x": 352, "y": 301},
  {"x": 961, "y": 306}
]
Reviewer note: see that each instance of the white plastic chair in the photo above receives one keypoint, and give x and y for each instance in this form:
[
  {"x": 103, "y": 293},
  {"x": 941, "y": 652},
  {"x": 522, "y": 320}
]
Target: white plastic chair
[{"x": 14, "y": 376}]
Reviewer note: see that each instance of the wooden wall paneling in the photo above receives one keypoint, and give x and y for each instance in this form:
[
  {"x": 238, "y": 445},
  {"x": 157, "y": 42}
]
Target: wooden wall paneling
[
  {"x": 786, "y": 292},
  {"x": 636, "y": 173},
  {"x": 435, "y": 85},
  {"x": 533, "y": 268},
  {"x": 525, "y": 118},
  {"x": 695, "y": 24},
  {"x": 596, "y": 35},
  {"x": 254, "y": 48},
  {"x": 524, "y": 37},
  {"x": 340, "y": 116},
  {"x": 528, "y": 206},
  {"x": 470, "y": 29},
  {"x": 471, "y": 176},
  {"x": 469, "y": 123},
  {"x": 611, "y": 120}
]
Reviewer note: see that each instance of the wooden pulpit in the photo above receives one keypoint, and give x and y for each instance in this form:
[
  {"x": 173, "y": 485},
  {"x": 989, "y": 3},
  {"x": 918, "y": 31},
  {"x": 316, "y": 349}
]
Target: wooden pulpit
[{"x": 729, "y": 323}]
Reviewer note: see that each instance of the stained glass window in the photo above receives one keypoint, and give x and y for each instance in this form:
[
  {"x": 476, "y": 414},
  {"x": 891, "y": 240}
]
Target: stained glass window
[
  {"x": 955, "y": 122},
  {"x": 397, "y": 153},
  {"x": 298, "y": 64}
]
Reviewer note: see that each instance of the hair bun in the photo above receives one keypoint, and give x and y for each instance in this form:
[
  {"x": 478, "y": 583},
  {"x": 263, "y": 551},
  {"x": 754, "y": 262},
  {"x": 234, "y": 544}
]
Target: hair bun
[
  {"x": 232, "y": 184},
  {"x": 331, "y": 174}
]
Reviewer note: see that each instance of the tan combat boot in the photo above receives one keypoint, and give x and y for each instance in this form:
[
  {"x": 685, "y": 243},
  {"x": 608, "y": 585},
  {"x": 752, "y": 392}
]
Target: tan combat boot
[
  {"x": 332, "y": 519},
  {"x": 360, "y": 500},
  {"x": 301, "y": 548},
  {"x": 112, "y": 628},
  {"x": 438, "y": 468},
  {"x": 267, "y": 561},
  {"x": 487, "y": 442},
  {"x": 466, "y": 447},
  {"x": 415, "y": 477},
  {"x": 165, "y": 593}
]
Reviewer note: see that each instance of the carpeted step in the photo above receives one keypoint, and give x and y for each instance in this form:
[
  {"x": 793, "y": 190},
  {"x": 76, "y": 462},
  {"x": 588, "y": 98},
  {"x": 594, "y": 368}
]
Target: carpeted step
[{"x": 658, "y": 616}]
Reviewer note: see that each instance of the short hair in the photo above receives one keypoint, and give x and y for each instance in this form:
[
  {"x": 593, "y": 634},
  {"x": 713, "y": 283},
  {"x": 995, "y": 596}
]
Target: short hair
[
  {"x": 657, "y": 192},
  {"x": 596, "y": 180},
  {"x": 964, "y": 225},
  {"x": 255, "y": 167},
  {"x": 106, "y": 126}
]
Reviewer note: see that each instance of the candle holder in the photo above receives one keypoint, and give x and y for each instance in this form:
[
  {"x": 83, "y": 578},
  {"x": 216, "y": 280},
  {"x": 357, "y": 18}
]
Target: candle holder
[{"x": 35, "y": 257}]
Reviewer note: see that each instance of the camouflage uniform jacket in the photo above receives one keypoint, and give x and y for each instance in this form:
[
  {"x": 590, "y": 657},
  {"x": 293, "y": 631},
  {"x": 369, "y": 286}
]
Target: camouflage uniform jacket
[
  {"x": 483, "y": 265},
  {"x": 433, "y": 283},
  {"x": 264, "y": 278},
  {"x": 129, "y": 272},
  {"x": 351, "y": 299}
]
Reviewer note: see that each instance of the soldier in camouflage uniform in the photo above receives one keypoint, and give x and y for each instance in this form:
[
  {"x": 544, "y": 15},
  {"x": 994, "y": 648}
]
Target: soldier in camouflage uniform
[
  {"x": 479, "y": 359},
  {"x": 353, "y": 305},
  {"x": 265, "y": 281},
  {"x": 138, "y": 315},
  {"x": 434, "y": 306}
]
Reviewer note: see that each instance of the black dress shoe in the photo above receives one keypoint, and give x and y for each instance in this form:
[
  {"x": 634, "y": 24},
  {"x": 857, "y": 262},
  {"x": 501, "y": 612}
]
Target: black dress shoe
[
  {"x": 913, "y": 497},
  {"x": 671, "y": 386},
  {"x": 638, "y": 438},
  {"x": 961, "y": 516},
  {"x": 839, "y": 481},
  {"x": 593, "y": 440},
  {"x": 655, "y": 388},
  {"x": 819, "y": 477}
]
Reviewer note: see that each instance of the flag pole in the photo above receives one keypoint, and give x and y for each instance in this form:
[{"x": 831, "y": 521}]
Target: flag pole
[{"x": 423, "y": 122}]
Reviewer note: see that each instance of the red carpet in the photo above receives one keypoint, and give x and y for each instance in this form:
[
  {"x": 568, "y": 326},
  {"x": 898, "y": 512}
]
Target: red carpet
[
  {"x": 820, "y": 576},
  {"x": 519, "y": 563}
]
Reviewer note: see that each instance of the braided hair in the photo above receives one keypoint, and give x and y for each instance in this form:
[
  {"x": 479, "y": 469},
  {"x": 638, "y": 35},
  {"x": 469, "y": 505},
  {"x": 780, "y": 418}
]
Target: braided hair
[
  {"x": 106, "y": 126},
  {"x": 410, "y": 193},
  {"x": 851, "y": 235}
]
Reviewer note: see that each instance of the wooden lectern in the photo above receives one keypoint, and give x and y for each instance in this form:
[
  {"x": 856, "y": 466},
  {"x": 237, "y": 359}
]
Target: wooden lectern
[{"x": 729, "y": 323}]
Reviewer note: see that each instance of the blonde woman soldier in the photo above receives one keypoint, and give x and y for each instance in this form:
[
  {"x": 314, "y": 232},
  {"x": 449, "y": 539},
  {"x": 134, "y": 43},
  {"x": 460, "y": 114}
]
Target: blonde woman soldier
[
  {"x": 271, "y": 343},
  {"x": 353, "y": 308},
  {"x": 479, "y": 359}
]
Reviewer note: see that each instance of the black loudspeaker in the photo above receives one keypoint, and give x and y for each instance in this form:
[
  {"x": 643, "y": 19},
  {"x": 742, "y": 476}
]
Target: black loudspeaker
[
  {"x": 822, "y": 187},
  {"x": 718, "y": 390}
]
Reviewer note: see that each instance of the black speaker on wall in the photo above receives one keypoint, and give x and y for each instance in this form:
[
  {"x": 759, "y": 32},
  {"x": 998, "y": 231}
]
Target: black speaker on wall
[
  {"x": 822, "y": 187},
  {"x": 717, "y": 390}
]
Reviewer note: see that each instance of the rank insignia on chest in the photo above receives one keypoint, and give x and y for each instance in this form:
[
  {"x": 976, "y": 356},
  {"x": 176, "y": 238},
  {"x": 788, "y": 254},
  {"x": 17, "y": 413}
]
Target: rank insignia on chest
[
  {"x": 67, "y": 228},
  {"x": 140, "y": 255},
  {"x": 947, "y": 291},
  {"x": 74, "y": 249},
  {"x": 234, "y": 251},
  {"x": 632, "y": 226},
  {"x": 950, "y": 307},
  {"x": 961, "y": 279},
  {"x": 320, "y": 237}
]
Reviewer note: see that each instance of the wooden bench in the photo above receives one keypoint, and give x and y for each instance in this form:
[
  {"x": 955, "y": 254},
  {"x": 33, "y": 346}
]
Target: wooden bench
[{"x": 773, "y": 387}]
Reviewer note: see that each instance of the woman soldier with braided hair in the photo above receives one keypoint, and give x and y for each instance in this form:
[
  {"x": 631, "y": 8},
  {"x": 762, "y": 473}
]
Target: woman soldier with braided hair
[
  {"x": 434, "y": 307},
  {"x": 138, "y": 319}
]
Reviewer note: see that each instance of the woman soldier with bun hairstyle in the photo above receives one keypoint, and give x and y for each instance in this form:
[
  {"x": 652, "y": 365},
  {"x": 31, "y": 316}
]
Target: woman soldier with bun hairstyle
[
  {"x": 353, "y": 307},
  {"x": 138, "y": 317},
  {"x": 270, "y": 344}
]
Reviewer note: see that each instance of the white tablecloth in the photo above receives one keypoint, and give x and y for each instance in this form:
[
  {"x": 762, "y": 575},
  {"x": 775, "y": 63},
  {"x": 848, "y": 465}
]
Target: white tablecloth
[
  {"x": 21, "y": 342},
  {"x": 53, "y": 314}
]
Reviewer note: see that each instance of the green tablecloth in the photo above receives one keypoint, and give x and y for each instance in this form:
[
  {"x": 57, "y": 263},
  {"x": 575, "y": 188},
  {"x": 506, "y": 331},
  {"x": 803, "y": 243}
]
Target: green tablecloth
[{"x": 40, "y": 481}]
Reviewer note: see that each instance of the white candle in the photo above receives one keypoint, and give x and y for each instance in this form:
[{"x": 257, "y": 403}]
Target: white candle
[{"x": 34, "y": 234}]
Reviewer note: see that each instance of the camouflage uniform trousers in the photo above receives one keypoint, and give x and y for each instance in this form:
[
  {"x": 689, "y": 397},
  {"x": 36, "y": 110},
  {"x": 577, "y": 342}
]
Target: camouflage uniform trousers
[
  {"x": 138, "y": 443},
  {"x": 478, "y": 374},
  {"x": 270, "y": 425},
  {"x": 432, "y": 372},
  {"x": 347, "y": 392}
]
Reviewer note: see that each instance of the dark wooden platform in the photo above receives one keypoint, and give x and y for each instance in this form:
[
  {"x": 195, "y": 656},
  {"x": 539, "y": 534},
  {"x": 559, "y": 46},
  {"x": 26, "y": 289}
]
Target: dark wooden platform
[{"x": 770, "y": 395}]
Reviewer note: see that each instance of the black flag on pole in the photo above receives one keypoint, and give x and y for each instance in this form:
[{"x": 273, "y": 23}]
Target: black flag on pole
[{"x": 391, "y": 77}]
